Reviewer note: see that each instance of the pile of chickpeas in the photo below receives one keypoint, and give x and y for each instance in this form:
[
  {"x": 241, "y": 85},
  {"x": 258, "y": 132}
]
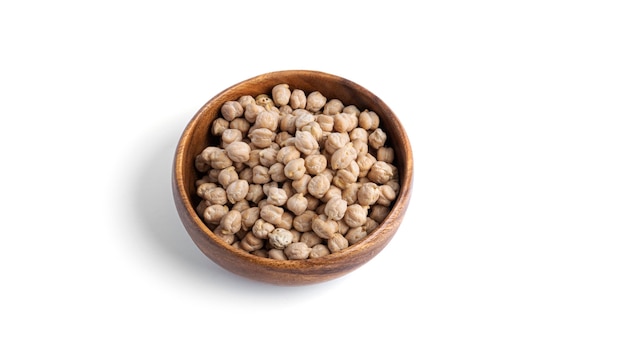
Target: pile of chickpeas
[{"x": 295, "y": 176}]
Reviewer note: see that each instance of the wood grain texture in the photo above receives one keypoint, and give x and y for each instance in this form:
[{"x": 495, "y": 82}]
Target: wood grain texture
[{"x": 291, "y": 272}]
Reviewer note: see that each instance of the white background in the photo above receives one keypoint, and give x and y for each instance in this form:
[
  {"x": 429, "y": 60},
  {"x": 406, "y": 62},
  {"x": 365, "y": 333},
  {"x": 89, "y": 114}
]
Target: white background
[{"x": 515, "y": 238}]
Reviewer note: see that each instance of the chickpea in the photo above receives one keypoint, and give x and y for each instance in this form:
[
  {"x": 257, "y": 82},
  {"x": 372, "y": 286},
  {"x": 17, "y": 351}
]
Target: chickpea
[
  {"x": 298, "y": 99},
  {"x": 315, "y": 101},
  {"x": 295, "y": 169},
  {"x": 231, "y": 110},
  {"x": 231, "y": 222},
  {"x": 337, "y": 242},
  {"x": 333, "y": 106},
  {"x": 318, "y": 251},
  {"x": 237, "y": 191},
  {"x": 219, "y": 126},
  {"x": 281, "y": 94},
  {"x": 280, "y": 238},
  {"x": 297, "y": 251},
  {"x": 355, "y": 215},
  {"x": 297, "y": 203},
  {"x": 318, "y": 186},
  {"x": 335, "y": 208}
]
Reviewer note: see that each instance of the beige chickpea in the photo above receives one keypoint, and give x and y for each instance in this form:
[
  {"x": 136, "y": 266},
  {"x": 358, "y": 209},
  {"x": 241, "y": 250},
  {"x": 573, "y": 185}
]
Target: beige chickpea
[
  {"x": 287, "y": 153},
  {"x": 380, "y": 172},
  {"x": 203, "y": 188},
  {"x": 323, "y": 226},
  {"x": 313, "y": 202},
  {"x": 300, "y": 185},
  {"x": 268, "y": 156},
  {"x": 368, "y": 120},
  {"x": 368, "y": 194},
  {"x": 287, "y": 123},
  {"x": 305, "y": 142},
  {"x": 231, "y": 135},
  {"x": 283, "y": 139},
  {"x": 337, "y": 242},
  {"x": 246, "y": 174},
  {"x": 318, "y": 251},
  {"x": 343, "y": 227},
  {"x": 277, "y": 172},
  {"x": 229, "y": 238},
  {"x": 201, "y": 164},
  {"x": 297, "y": 100},
  {"x": 249, "y": 217},
  {"x": 262, "y": 252},
  {"x": 231, "y": 222},
  {"x": 285, "y": 109},
  {"x": 359, "y": 134},
  {"x": 295, "y": 169},
  {"x": 261, "y": 137},
  {"x": 220, "y": 160},
  {"x": 315, "y": 164},
  {"x": 378, "y": 212},
  {"x": 227, "y": 176},
  {"x": 277, "y": 196},
  {"x": 255, "y": 193},
  {"x": 286, "y": 221},
  {"x": 350, "y": 193},
  {"x": 281, "y": 94},
  {"x": 268, "y": 186},
  {"x": 333, "y": 106},
  {"x": 310, "y": 238},
  {"x": 271, "y": 213},
  {"x": 355, "y": 234},
  {"x": 318, "y": 186},
  {"x": 260, "y": 174},
  {"x": 328, "y": 173},
  {"x": 266, "y": 119},
  {"x": 365, "y": 162},
  {"x": 315, "y": 130},
  {"x": 370, "y": 225},
  {"x": 261, "y": 228},
  {"x": 244, "y": 100},
  {"x": 345, "y": 122},
  {"x": 326, "y": 122},
  {"x": 387, "y": 195},
  {"x": 303, "y": 117},
  {"x": 240, "y": 124},
  {"x": 361, "y": 147},
  {"x": 231, "y": 110},
  {"x": 254, "y": 158},
  {"x": 276, "y": 254},
  {"x": 303, "y": 222},
  {"x": 297, "y": 251},
  {"x": 237, "y": 191},
  {"x": 238, "y": 151},
  {"x": 219, "y": 125},
  {"x": 336, "y": 140},
  {"x": 315, "y": 101},
  {"x": 355, "y": 215},
  {"x": 213, "y": 214},
  {"x": 280, "y": 238},
  {"x": 216, "y": 195},
  {"x": 377, "y": 138},
  {"x": 343, "y": 157},
  {"x": 297, "y": 203},
  {"x": 351, "y": 109},
  {"x": 251, "y": 243},
  {"x": 333, "y": 191},
  {"x": 335, "y": 208},
  {"x": 343, "y": 178},
  {"x": 394, "y": 184}
]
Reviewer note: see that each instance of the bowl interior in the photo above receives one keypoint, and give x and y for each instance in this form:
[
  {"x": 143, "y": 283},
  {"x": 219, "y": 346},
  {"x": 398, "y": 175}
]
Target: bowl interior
[{"x": 196, "y": 137}]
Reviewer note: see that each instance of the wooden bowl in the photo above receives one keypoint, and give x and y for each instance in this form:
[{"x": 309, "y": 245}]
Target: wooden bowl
[{"x": 288, "y": 272}]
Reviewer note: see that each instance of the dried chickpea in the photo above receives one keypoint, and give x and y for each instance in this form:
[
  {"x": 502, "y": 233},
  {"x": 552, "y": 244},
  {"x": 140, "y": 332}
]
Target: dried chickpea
[
  {"x": 305, "y": 142},
  {"x": 359, "y": 134},
  {"x": 368, "y": 194},
  {"x": 266, "y": 119},
  {"x": 337, "y": 242},
  {"x": 249, "y": 217},
  {"x": 380, "y": 172},
  {"x": 281, "y": 94},
  {"x": 231, "y": 135},
  {"x": 250, "y": 242},
  {"x": 261, "y": 137},
  {"x": 325, "y": 122},
  {"x": 297, "y": 251},
  {"x": 240, "y": 124},
  {"x": 277, "y": 172},
  {"x": 368, "y": 120},
  {"x": 213, "y": 214},
  {"x": 297, "y": 203},
  {"x": 324, "y": 227},
  {"x": 262, "y": 228},
  {"x": 295, "y": 169},
  {"x": 216, "y": 195},
  {"x": 350, "y": 193},
  {"x": 343, "y": 178},
  {"x": 280, "y": 238},
  {"x": 310, "y": 238},
  {"x": 377, "y": 138},
  {"x": 231, "y": 110},
  {"x": 355, "y": 234},
  {"x": 287, "y": 154},
  {"x": 387, "y": 195},
  {"x": 229, "y": 238},
  {"x": 318, "y": 186},
  {"x": 255, "y": 193},
  {"x": 227, "y": 176},
  {"x": 297, "y": 100},
  {"x": 315, "y": 101},
  {"x": 231, "y": 222},
  {"x": 277, "y": 196},
  {"x": 365, "y": 162},
  {"x": 335, "y": 208},
  {"x": 220, "y": 160},
  {"x": 355, "y": 215},
  {"x": 351, "y": 109},
  {"x": 303, "y": 222},
  {"x": 238, "y": 151},
  {"x": 261, "y": 253},
  {"x": 336, "y": 140},
  {"x": 378, "y": 212},
  {"x": 271, "y": 213},
  {"x": 219, "y": 126},
  {"x": 333, "y": 106},
  {"x": 315, "y": 164},
  {"x": 237, "y": 191},
  {"x": 301, "y": 184},
  {"x": 277, "y": 254},
  {"x": 318, "y": 251},
  {"x": 343, "y": 157},
  {"x": 345, "y": 122},
  {"x": 244, "y": 100}
]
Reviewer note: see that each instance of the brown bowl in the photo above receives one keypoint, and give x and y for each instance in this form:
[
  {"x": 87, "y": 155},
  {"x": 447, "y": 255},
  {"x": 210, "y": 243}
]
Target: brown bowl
[{"x": 288, "y": 272}]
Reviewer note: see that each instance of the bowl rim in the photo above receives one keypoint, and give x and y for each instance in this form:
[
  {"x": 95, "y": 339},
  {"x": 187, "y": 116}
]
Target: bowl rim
[{"x": 396, "y": 212}]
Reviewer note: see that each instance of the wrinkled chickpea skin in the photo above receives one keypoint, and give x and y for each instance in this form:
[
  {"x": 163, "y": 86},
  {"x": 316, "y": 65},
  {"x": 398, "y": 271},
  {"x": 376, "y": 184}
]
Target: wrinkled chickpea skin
[{"x": 295, "y": 174}]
